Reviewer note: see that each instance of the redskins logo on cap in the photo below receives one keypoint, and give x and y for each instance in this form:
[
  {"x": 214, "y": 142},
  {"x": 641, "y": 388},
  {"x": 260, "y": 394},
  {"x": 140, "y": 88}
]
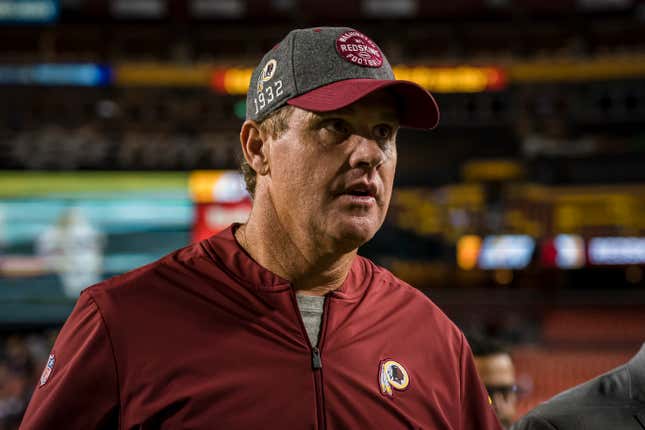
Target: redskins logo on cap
[
  {"x": 356, "y": 48},
  {"x": 267, "y": 73},
  {"x": 392, "y": 376}
]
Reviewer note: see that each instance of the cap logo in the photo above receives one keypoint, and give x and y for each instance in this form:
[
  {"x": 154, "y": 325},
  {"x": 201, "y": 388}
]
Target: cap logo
[
  {"x": 47, "y": 371},
  {"x": 358, "y": 49},
  {"x": 267, "y": 73},
  {"x": 392, "y": 376}
]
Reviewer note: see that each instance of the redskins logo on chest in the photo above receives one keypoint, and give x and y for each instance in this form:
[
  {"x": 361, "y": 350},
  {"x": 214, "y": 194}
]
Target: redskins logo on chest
[{"x": 392, "y": 376}]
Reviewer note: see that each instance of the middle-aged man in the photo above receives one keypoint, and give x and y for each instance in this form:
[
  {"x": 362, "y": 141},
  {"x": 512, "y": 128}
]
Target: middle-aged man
[
  {"x": 495, "y": 368},
  {"x": 278, "y": 323},
  {"x": 612, "y": 401}
]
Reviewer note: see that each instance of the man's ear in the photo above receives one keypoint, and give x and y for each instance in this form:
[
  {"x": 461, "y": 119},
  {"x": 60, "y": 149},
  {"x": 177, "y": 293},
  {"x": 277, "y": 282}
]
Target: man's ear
[{"x": 254, "y": 147}]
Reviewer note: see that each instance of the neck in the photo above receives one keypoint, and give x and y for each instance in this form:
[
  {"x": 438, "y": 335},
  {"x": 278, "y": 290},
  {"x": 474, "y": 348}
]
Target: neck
[{"x": 293, "y": 256}]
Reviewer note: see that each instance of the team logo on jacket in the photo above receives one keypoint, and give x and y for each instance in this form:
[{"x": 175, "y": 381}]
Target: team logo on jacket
[
  {"x": 392, "y": 376},
  {"x": 47, "y": 371}
]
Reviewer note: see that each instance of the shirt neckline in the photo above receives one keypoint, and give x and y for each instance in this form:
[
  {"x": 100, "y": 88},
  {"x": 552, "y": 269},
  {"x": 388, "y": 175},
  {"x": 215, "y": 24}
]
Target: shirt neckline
[{"x": 224, "y": 250}]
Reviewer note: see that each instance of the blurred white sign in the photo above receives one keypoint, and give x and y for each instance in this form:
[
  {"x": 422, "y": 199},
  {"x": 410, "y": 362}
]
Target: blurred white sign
[
  {"x": 617, "y": 250},
  {"x": 506, "y": 252},
  {"x": 604, "y": 4},
  {"x": 138, "y": 8},
  {"x": 389, "y": 8},
  {"x": 218, "y": 8}
]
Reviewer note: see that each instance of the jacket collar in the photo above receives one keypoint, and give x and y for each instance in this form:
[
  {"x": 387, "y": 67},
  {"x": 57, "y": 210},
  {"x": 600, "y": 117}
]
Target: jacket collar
[
  {"x": 227, "y": 253},
  {"x": 636, "y": 368}
]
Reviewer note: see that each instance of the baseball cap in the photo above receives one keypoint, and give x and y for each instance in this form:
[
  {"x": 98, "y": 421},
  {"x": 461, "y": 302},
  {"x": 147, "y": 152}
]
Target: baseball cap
[{"x": 327, "y": 68}]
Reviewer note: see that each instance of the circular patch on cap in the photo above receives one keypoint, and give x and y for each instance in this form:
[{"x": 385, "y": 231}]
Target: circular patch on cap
[{"x": 359, "y": 49}]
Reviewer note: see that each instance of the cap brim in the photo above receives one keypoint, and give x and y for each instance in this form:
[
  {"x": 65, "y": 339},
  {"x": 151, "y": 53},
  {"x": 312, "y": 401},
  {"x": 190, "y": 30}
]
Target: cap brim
[{"x": 418, "y": 108}]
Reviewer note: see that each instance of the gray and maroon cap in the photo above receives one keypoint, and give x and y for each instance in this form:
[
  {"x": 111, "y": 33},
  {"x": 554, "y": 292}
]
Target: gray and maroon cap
[{"x": 327, "y": 68}]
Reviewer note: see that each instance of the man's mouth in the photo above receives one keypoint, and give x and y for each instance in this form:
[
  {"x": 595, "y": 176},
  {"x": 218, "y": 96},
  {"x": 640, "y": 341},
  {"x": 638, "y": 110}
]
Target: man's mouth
[{"x": 362, "y": 190}]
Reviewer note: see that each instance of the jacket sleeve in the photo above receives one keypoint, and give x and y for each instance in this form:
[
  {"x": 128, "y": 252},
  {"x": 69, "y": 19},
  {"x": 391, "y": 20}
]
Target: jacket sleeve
[
  {"x": 78, "y": 388},
  {"x": 531, "y": 422},
  {"x": 476, "y": 410}
]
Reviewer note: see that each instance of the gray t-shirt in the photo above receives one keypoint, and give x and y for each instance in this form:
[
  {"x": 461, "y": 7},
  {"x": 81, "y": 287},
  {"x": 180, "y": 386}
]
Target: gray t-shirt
[{"x": 311, "y": 309}]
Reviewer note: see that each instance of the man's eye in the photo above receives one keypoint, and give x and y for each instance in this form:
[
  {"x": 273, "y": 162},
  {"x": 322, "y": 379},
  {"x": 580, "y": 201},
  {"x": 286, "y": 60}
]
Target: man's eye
[
  {"x": 382, "y": 131},
  {"x": 338, "y": 126}
]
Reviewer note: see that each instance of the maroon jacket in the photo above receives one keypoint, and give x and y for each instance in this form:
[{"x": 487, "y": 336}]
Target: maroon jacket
[{"x": 206, "y": 338}]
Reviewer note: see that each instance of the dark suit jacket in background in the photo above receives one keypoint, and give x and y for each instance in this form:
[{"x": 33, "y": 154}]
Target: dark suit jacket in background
[{"x": 612, "y": 401}]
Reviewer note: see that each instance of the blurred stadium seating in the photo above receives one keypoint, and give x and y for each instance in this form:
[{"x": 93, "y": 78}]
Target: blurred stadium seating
[{"x": 522, "y": 215}]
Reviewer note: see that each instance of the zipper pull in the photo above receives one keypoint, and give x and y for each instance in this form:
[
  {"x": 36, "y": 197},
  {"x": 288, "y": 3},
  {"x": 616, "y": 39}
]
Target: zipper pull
[{"x": 316, "y": 362}]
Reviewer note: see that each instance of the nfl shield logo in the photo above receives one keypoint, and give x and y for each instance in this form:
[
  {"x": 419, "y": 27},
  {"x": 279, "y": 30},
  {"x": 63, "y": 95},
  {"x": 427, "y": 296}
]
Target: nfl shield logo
[{"x": 47, "y": 371}]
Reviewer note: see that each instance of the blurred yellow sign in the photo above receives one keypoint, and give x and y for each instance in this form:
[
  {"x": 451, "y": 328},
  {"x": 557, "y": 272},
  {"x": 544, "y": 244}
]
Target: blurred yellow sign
[
  {"x": 578, "y": 70},
  {"x": 231, "y": 80},
  {"x": 468, "y": 248},
  {"x": 464, "y": 79},
  {"x": 223, "y": 186},
  {"x": 492, "y": 170},
  {"x": 154, "y": 74},
  {"x": 437, "y": 79}
]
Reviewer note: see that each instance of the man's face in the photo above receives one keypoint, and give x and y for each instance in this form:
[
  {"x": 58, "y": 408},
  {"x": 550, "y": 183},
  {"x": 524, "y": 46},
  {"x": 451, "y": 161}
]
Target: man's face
[
  {"x": 498, "y": 375},
  {"x": 331, "y": 173}
]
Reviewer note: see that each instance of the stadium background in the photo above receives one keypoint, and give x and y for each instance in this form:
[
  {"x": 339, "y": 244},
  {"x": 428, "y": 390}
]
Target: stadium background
[{"x": 522, "y": 215}]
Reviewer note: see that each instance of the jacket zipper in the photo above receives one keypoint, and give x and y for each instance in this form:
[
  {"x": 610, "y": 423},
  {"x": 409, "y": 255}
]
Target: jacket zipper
[{"x": 316, "y": 359}]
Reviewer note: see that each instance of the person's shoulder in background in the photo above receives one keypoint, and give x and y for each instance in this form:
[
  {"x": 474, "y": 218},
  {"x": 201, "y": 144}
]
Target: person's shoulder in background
[{"x": 605, "y": 402}]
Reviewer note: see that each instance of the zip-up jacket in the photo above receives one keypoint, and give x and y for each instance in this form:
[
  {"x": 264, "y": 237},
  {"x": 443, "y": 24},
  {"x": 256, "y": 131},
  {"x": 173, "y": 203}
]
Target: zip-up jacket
[{"x": 206, "y": 338}]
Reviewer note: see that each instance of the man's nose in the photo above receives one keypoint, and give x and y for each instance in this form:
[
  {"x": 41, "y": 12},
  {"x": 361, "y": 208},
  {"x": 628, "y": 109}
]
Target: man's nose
[{"x": 366, "y": 153}]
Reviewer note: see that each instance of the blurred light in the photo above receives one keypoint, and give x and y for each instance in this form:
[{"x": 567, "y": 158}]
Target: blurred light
[
  {"x": 218, "y": 9},
  {"x": 437, "y": 79},
  {"x": 231, "y": 80},
  {"x": 463, "y": 79},
  {"x": 634, "y": 274},
  {"x": 570, "y": 251},
  {"x": 603, "y": 5},
  {"x": 89, "y": 75},
  {"x": 617, "y": 250},
  {"x": 138, "y": 8},
  {"x": 223, "y": 186},
  {"x": 31, "y": 11},
  {"x": 390, "y": 8},
  {"x": 155, "y": 74},
  {"x": 107, "y": 109},
  {"x": 219, "y": 217},
  {"x": 492, "y": 170},
  {"x": 239, "y": 108},
  {"x": 14, "y": 184},
  {"x": 565, "y": 251},
  {"x": 468, "y": 248},
  {"x": 578, "y": 70},
  {"x": 284, "y": 5},
  {"x": 503, "y": 276},
  {"x": 506, "y": 252}
]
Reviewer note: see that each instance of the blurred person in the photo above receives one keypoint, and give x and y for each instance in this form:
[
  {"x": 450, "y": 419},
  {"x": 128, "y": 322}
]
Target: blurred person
[
  {"x": 614, "y": 400},
  {"x": 495, "y": 368},
  {"x": 16, "y": 381},
  {"x": 73, "y": 248},
  {"x": 17, "y": 355},
  {"x": 14, "y": 395},
  {"x": 278, "y": 323}
]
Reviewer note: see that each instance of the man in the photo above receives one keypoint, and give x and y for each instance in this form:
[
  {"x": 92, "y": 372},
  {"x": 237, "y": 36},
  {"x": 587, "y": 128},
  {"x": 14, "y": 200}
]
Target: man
[
  {"x": 495, "y": 368},
  {"x": 278, "y": 323},
  {"x": 614, "y": 400}
]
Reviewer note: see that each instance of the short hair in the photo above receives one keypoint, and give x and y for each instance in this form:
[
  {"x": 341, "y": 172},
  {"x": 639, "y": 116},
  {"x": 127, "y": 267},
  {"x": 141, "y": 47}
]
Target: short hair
[
  {"x": 483, "y": 346},
  {"x": 274, "y": 125}
]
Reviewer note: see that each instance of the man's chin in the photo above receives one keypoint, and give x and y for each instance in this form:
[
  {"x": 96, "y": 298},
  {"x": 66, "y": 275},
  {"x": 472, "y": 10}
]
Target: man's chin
[{"x": 353, "y": 233}]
